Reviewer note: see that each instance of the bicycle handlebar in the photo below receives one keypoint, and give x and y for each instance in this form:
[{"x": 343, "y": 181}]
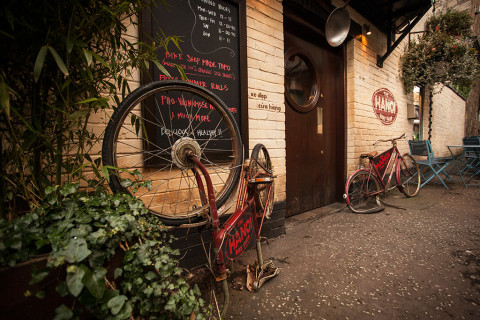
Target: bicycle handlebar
[{"x": 403, "y": 136}]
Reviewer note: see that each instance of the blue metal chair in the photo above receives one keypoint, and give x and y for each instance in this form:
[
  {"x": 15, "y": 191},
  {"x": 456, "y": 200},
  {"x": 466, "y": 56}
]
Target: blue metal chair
[
  {"x": 472, "y": 157},
  {"x": 430, "y": 167}
]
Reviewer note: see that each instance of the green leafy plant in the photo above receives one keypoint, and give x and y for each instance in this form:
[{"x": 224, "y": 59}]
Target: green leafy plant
[
  {"x": 82, "y": 234},
  {"x": 444, "y": 54},
  {"x": 62, "y": 63}
]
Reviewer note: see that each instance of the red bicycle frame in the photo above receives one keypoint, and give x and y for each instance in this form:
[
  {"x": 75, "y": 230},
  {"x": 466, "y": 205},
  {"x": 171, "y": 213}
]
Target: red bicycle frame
[
  {"x": 382, "y": 162},
  {"x": 245, "y": 202},
  {"x": 406, "y": 173}
]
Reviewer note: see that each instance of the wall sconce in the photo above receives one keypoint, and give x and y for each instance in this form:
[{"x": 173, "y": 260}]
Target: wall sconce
[{"x": 366, "y": 29}]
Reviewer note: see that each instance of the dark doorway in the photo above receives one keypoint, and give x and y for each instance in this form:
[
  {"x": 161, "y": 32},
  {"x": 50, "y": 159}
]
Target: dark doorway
[{"x": 315, "y": 118}]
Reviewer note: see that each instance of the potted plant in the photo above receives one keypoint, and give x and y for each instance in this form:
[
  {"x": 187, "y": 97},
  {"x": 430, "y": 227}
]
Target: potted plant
[{"x": 92, "y": 254}]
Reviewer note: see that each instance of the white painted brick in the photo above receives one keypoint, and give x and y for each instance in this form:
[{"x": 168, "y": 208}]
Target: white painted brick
[
  {"x": 265, "y": 76},
  {"x": 260, "y": 11},
  {"x": 266, "y": 38},
  {"x": 266, "y": 86}
]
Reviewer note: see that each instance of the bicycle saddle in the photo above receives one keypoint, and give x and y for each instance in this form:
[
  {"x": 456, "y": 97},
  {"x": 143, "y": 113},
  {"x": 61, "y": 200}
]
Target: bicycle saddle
[{"x": 369, "y": 155}]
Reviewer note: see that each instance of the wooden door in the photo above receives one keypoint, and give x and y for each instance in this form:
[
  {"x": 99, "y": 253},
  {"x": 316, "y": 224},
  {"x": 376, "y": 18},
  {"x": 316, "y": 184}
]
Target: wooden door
[{"x": 315, "y": 123}]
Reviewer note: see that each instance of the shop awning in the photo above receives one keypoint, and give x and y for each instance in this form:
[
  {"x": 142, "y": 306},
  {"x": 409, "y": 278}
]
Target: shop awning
[
  {"x": 395, "y": 18},
  {"x": 391, "y": 15}
]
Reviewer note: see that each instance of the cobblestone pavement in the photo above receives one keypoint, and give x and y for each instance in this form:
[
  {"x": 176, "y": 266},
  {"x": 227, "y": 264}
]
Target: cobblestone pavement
[{"x": 418, "y": 263}]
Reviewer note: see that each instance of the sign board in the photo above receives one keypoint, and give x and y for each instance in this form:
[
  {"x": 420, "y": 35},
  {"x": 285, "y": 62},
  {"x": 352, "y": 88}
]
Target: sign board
[
  {"x": 209, "y": 55},
  {"x": 239, "y": 237},
  {"x": 382, "y": 160},
  {"x": 384, "y": 106}
]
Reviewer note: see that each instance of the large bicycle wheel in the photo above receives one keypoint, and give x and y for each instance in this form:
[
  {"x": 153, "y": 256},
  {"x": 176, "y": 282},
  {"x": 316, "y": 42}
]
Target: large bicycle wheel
[
  {"x": 362, "y": 193},
  {"x": 261, "y": 167},
  {"x": 150, "y": 135},
  {"x": 408, "y": 176}
]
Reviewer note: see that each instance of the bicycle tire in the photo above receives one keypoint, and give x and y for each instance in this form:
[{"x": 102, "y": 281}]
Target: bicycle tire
[
  {"x": 408, "y": 176},
  {"x": 216, "y": 294},
  {"x": 260, "y": 161},
  {"x": 145, "y": 135},
  {"x": 362, "y": 192}
]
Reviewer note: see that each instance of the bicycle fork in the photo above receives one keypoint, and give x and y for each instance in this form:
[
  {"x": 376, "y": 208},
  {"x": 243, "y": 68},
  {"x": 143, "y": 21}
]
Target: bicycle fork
[{"x": 215, "y": 228}]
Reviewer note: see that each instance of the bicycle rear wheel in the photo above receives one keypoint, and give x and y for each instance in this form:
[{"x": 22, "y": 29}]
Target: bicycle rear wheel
[
  {"x": 150, "y": 133},
  {"x": 362, "y": 192},
  {"x": 261, "y": 166},
  {"x": 408, "y": 176}
]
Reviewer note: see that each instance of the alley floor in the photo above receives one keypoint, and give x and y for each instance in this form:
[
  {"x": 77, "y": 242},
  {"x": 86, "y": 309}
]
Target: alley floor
[{"x": 420, "y": 262}]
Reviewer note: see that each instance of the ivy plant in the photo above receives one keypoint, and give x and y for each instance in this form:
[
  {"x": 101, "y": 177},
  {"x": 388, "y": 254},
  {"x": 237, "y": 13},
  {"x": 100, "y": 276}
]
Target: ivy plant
[
  {"x": 445, "y": 54},
  {"x": 82, "y": 233}
]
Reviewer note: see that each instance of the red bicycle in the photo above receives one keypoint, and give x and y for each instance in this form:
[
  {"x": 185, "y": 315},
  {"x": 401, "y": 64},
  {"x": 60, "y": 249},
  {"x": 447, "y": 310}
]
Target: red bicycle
[
  {"x": 184, "y": 139},
  {"x": 365, "y": 186}
]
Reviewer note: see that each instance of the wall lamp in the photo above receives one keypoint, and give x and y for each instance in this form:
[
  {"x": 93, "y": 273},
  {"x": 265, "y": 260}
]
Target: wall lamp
[{"x": 366, "y": 29}]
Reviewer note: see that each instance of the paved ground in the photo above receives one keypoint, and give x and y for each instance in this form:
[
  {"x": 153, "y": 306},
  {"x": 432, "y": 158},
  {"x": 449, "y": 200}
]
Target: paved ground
[{"x": 418, "y": 263}]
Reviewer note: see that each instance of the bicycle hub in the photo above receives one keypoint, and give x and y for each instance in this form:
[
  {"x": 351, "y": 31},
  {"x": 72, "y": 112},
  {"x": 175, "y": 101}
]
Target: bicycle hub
[{"x": 182, "y": 150}]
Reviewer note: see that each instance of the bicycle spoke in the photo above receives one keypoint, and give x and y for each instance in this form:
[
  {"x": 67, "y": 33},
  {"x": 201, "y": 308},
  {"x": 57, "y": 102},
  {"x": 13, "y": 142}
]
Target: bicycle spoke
[
  {"x": 362, "y": 190},
  {"x": 151, "y": 153},
  {"x": 153, "y": 144}
]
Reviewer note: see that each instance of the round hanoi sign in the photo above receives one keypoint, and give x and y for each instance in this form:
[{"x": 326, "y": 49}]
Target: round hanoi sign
[{"x": 384, "y": 106}]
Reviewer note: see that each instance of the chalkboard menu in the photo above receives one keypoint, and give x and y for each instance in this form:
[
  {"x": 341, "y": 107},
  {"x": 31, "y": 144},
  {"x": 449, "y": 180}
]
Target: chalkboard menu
[{"x": 209, "y": 55}]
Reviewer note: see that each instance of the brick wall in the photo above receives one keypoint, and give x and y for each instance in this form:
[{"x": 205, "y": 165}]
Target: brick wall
[
  {"x": 98, "y": 121},
  {"x": 266, "y": 109},
  {"x": 461, "y": 5},
  {"x": 364, "y": 77},
  {"x": 448, "y": 120}
]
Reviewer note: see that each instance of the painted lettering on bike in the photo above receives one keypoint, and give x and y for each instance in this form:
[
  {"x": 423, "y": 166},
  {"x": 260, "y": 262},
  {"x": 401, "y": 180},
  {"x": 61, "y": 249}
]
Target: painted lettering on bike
[
  {"x": 381, "y": 161},
  {"x": 239, "y": 237},
  {"x": 384, "y": 106}
]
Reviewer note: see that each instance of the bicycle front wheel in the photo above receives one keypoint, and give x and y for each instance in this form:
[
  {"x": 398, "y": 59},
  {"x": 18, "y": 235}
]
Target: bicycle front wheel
[
  {"x": 408, "y": 176},
  {"x": 362, "y": 192},
  {"x": 150, "y": 135}
]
